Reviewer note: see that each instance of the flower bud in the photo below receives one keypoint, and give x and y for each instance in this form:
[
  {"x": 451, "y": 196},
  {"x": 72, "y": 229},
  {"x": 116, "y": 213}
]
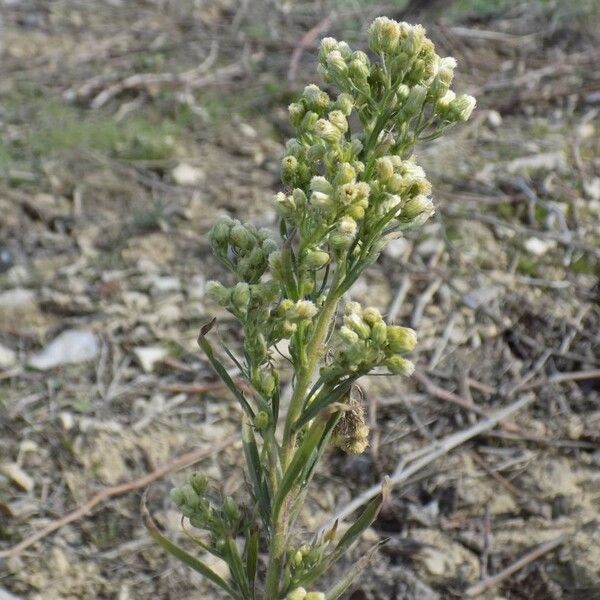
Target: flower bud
[
  {"x": 385, "y": 169},
  {"x": 289, "y": 168},
  {"x": 299, "y": 593},
  {"x": 357, "y": 212},
  {"x": 316, "y": 259},
  {"x": 297, "y": 559},
  {"x": 357, "y": 325},
  {"x": 315, "y": 596},
  {"x": 417, "y": 206},
  {"x": 379, "y": 333},
  {"x": 344, "y": 103},
  {"x": 177, "y": 496},
  {"x": 305, "y": 309},
  {"x": 345, "y": 174},
  {"x": 264, "y": 382},
  {"x": 219, "y": 233},
  {"x": 316, "y": 99},
  {"x": 288, "y": 328},
  {"x": 443, "y": 104},
  {"x": 240, "y": 295},
  {"x": 321, "y": 200},
  {"x": 284, "y": 204},
  {"x": 296, "y": 111},
  {"x": 462, "y": 107},
  {"x": 347, "y": 226},
  {"x": 328, "y": 44},
  {"x": 336, "y": 63},
  {"x": 299, "y": 198},
  {"x": 401, "y": 339},
  {"x": 358, "y": 71},
  {"x": 231, "y": 512},
  {"x": 337, "y": 118},
  {"x": 309, "y": 121},
  {"x": 199, "y": 483},
  {"x": 218, "y": 292},
  {"x": 400, "y": 366},
  {"x": 384, "y": 35},
  {"x": 347, "y": 335},
  {"x": 316, "y": 152},
  {"x": 319, "y": 184},
  {"x": 371, "y": 315},
  {"x": 261, "y": 420},
  {"x": 294, "y": 147},
  {"x": 414, "y": 102},
  {"x": 327, "y": 131}
]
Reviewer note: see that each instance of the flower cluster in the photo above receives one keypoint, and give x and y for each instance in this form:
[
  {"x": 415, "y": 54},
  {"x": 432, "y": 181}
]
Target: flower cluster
[
  {"x": 365, "y": 341},
  {"x": 350, "y": 184}
]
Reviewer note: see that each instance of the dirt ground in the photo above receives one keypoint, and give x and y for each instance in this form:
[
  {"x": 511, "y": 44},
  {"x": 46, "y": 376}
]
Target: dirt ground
[{"x": 127, "y": 125}]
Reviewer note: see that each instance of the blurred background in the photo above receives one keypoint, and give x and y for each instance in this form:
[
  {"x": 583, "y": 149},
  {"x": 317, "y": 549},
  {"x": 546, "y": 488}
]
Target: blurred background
[{"x": 128, "y": 125}]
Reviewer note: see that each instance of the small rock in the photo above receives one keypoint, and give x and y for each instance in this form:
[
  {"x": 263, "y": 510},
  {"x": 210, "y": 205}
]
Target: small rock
[
  {"x": 8, "y": 357},
  {"x": 16, "y": 297},
  {"x": 163, "y": 285},
  {"x": 14, "y": 472},
  {"x": 70, "y": 347},
  {"x": 149, "y": 356},
  {"x": 494, "y": 118},
  {"x": 538, "y": 247},
  {"x": 185, "y": 174},
  {"x": 397, "y": 248}
]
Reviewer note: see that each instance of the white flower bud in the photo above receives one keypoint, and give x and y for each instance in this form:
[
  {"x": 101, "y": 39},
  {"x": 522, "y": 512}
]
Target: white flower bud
[
  {"x": 384, "y": 35},
  {"x": 296, "y": 112},
  {"x": 327, "y": 131},
  {"x": 347, "y": 226},
  {"x": 328, "y": 45},
  {"x": 316, "y": 99},
  {"x": 417, "y": 206},
  {"x": 385, "y": 168},
  {"x": 356, "y": 324},
  {"x": 349, "y": 336},
  {"x": 319, "y": 184},
  {"x": 305, "y": 309},
  {"x": 399, "y": 365},
  {"x": 462, "y": 107},
  {"x": 338, "y": 119},
  {"x": 298, "y": 593},
  {"x": 321, "y": 200},
  {"x": 315, "y": 596},
  {"x": 345, "y": 174},
  {"x": 316, "y": 259},
  {"x": 218, "y": 292},
  {"x": 371, "y": 315},
  {"x": 336, "y": 63},
  {"x": 345, "y": 103},
  {"x": 352, "y": 308},
  {"x": 415, "y": 100}
]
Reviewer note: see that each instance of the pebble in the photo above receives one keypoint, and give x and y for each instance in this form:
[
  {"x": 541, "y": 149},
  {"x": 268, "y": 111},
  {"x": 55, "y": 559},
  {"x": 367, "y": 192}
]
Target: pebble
[{"x": 70, "y": 347}]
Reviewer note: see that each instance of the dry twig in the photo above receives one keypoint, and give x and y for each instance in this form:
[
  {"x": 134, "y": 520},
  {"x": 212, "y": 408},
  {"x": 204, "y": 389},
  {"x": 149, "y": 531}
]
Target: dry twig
[{"x": 107, "y": 493}]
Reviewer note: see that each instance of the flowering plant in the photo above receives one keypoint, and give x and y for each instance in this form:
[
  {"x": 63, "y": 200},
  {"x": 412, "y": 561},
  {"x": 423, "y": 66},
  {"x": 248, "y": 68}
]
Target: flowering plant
[{"x": 346, "y": 194}]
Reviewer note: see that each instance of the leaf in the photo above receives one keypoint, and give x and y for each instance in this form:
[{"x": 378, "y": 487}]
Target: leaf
[
  {"x": 364, "y": 521},
  {"x": 236, "y": 565},
  {"x": 348, "y": 579},
  {"x": 324, "y": 399},
  {"x": 251, "y": 552},
  {"x": 220, "y": 369},
  {"x": 259, "y": 485},
  {"x": 300, "y": 462},
  {"x": 182, "y": 555}
]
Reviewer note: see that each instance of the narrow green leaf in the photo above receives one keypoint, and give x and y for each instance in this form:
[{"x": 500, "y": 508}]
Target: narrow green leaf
[
  {"x": 220, "y": 369},
  {"x": 300, "y": 463},
  {"x": 251, "y": 552},
  {"x": 259, "y": 485},
  {"x": 364, "y": 521},
  {"x": 324, "y": 399},
  {"x": 238, "y": 572},
  {"x": 350, "y": 576},
  {"x": 181, "y": 554}
]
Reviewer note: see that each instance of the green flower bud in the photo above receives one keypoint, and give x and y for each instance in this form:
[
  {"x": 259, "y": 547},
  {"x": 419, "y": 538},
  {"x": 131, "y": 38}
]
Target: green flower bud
[
  {"x": 384, "y": 35},
  {"x": 345, "y": 104},
  {"x": 294, "y": 147},
  {"x": 356, "y": 212},
  {"x": 356, "y": 324},
  {"x": 284, "y": 204},
  {"x": 264, "y": 382},
  {"x": 414, "y": 102},
  {"x": 217, "y": 292},
  {"x": 417, "y": 207},
  {"x": 347, "y": 335},
  {"x": 400, "y": 366},
  {"x": 320, "y": 184},
  {"x": 240, "y": 295},
  {"x": 297, "y": 559},
  {"x": 315, "y": 596},
  {"x": 336, "y": 64},
  {"x": 199, "y": 483},
  {"x": 309, "y": 121},
  {"x": 261, "y": 420},
  {"x": 289, "y": 169},
  {"x": 371, "y": 315},
  {"x": 316, "y": 152},
  {"x": 401, "y": 339},
  {"x": 356, "y": 145},
  {"x": 177, "y": 496},
  {"x": 443, "y": 104},
  {"x": 414, "y": 39},
  {"x": 231, "y": 512},
  {"x": 190, "y": 498},
  {"x": 299, "y": 198},
  {"x": 345, "y": 174},
  {"x": 358, "y": 71},
  {"x": 316, "y": 99},
  {"x": 296, "y": 111},
  {"x": 462, "y": 107},
  {"x": 298, "y": 593},
  {"x": 327, "y": 131},
  {"x": 288, "y": 328},
  {"x": 316, "y": 259},
  {"x": 379, "y": 333},
  {"x": 219, "y": 233},
  {"x": 338, "y": 119},
  {"x": 385, "y": 169}
]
